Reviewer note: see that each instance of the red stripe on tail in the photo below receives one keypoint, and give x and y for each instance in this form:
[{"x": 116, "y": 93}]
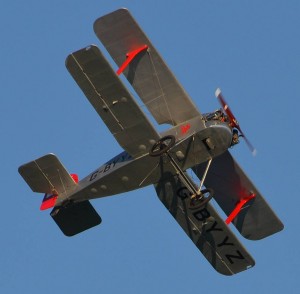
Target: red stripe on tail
[{"x": 49, "y": 200}]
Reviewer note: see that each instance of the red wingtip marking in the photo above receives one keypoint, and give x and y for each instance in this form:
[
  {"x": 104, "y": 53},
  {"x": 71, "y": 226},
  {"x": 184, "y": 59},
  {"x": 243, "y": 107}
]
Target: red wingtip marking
[
  {"x": 238, "y": 208},
  {"x": 129, "y": 57},
  {"x": 48, "y": 201}
]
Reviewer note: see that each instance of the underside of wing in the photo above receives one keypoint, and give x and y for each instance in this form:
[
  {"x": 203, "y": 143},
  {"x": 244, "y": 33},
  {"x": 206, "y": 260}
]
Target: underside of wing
[
  {"x": 205, "y": 228},
  {"x": 147, "y": 72},
  {"x": 256, "y": 219},
  {"x": 111, "y": 100}
]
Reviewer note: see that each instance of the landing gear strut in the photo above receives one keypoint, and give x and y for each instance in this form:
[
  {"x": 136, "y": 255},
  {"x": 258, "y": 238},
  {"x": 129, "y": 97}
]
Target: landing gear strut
[
  {"x": 199, "y": 197},
  {"x": 199, "y": 200}
]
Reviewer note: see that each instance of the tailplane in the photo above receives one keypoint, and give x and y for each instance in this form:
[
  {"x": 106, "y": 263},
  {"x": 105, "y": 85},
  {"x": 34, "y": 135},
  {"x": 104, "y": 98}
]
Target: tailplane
[
  {"x": 47, "y": 175},
  {"x": 76, "y": 217}
]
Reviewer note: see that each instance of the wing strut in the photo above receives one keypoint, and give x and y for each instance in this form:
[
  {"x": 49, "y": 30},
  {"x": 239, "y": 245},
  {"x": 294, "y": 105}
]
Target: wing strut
[
  {"x": 204, "y": 175},
  {"x": 161, "y": 147}
]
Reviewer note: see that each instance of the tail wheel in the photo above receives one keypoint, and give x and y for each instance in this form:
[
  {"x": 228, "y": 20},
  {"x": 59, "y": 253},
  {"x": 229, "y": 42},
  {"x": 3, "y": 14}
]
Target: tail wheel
[
  {"x": 162, "y": 146},
  {"x": 202, "y": 199}
]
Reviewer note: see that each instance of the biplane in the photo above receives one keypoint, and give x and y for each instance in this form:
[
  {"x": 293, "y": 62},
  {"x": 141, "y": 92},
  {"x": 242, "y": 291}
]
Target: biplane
[{"x": 193, "y": 142}]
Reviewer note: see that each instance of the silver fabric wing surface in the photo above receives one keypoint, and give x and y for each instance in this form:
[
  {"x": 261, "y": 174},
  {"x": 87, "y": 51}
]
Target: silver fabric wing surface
[
  {"x": 256, "y": 220},
  {"x": 112, "y": 101},
  {"x": 205, "y": 228},
  {"x": 148, "y": 74}
]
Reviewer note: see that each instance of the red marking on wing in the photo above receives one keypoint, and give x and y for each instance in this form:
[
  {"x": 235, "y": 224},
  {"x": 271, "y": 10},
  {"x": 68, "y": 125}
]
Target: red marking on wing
[
  {"x": 238, "y": 208},
  {"x": 74, "y": 177},
  {"x": 185, "y": 128},
  {"x": 129, "y": 57}
]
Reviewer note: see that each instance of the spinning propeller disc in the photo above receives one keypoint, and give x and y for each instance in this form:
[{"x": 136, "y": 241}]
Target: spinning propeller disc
[{"x": 233, "y": 121}]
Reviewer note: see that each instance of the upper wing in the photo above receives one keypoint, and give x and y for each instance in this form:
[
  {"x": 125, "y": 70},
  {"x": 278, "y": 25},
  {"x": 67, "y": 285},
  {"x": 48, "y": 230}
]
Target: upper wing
[
  {"x": 205, "y": 228},
  {"x": 47, "y": 175},
  {"x": 147, "y": 72},
  {"x": 111, "y": 100},
  {"x": 256, "y": 220}
]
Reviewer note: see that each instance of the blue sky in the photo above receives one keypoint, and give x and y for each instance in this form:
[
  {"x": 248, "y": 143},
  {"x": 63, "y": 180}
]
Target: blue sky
[{"x": 251, "y": 49}]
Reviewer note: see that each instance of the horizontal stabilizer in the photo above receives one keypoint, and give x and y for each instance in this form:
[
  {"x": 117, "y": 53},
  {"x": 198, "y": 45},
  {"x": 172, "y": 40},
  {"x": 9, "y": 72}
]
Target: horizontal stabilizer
[
  {"x": 47, "y": 175},
  {"x": 76, "y": 217},
  {"x": 255, "y": 220},
  {"x": 205, "y": 228}
]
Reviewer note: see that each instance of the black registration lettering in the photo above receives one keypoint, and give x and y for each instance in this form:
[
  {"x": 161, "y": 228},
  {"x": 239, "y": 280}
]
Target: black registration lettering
[
  {"x": 183, "y": 193},
  {"x": 225, "y": 243},
  {"x": 94, "y": 175},
  {"x": 202, "y": 215},
  {"x": 230, "y": 257},
  {"x": 214, "y": 228}
]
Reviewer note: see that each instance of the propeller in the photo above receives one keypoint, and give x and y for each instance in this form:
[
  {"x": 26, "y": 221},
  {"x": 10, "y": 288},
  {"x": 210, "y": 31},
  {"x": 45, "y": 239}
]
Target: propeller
[{"x": 233, "y": 121}]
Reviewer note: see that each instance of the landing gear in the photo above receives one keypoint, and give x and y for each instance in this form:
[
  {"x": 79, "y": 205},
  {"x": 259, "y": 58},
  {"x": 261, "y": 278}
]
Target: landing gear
[
  {"x": 162, "y": 146},
  {"x": 198, "y": 197},
  {"x": 201, "y": 199}
]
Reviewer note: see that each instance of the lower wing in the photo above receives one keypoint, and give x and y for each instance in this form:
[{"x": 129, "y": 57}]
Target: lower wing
[
  {"x": 205, "y": 228},
  {"x": 256, "y": 219}
]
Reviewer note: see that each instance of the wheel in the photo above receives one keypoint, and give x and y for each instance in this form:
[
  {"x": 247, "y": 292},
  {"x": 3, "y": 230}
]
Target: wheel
[
  {"x": 162, "y": 146},
  {"x": 201, "y": 200}
]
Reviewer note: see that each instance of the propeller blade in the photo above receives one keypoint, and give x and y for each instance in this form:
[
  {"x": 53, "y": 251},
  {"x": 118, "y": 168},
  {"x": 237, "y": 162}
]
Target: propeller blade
[
  {"x": 226, "y": 108},
  {"x": 233, "y": 121},
  {"x": 250, "y": 146}
]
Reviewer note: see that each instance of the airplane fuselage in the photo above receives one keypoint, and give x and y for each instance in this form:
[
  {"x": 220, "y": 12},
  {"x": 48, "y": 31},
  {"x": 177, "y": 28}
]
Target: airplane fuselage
[{"x": 124, "y": 173}]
